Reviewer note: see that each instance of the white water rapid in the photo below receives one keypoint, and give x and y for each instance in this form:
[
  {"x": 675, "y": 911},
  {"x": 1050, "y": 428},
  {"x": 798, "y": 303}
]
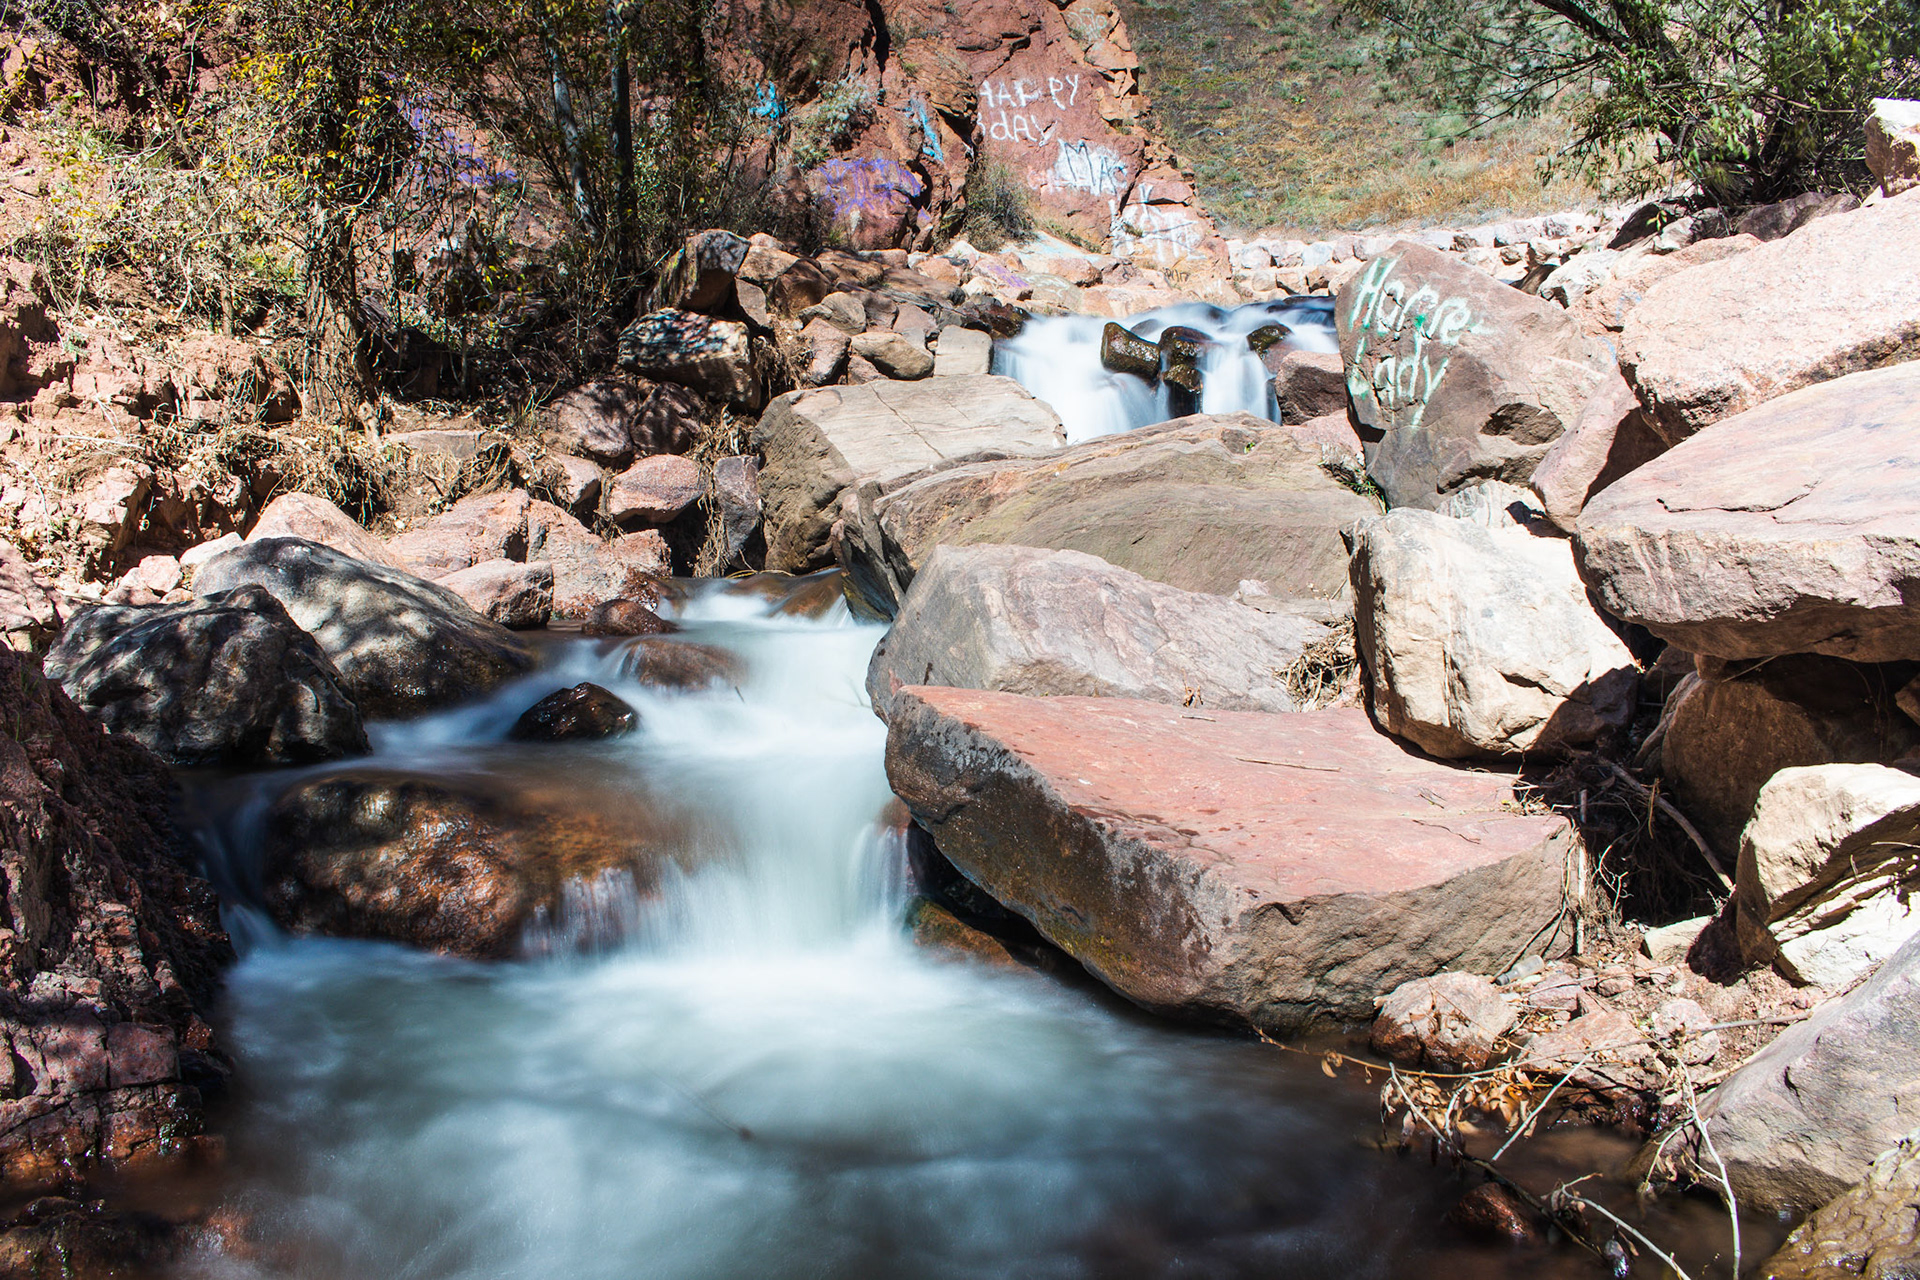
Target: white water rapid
[{"x": 1057, "y": 358}]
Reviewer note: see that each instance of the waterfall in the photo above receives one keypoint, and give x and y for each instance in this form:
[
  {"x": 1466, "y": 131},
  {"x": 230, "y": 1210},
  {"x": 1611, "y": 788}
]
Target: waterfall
[{"x": 1057, "y": 358}]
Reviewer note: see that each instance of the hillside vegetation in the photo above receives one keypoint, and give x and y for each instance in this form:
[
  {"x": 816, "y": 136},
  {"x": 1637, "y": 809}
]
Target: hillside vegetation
[{"x": 1290, "y": 121}]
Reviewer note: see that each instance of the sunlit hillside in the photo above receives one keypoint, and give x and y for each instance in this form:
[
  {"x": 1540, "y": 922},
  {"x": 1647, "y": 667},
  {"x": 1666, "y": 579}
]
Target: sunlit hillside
[{"x": 1287, "y": 121}]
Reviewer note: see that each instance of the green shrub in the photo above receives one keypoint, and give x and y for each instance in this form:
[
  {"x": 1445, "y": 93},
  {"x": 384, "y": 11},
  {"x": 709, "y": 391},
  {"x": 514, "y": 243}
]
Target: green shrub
[
  {"x": 999, "y": 207},
  {"x": 1753, "y": 102}
]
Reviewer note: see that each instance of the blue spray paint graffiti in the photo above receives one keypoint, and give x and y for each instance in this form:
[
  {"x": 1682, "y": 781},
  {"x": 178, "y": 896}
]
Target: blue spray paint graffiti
[{"x": 929, "y": 136}]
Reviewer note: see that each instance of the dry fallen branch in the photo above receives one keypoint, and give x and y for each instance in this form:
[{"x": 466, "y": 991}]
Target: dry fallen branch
[{"x": 1653, "y": 797}]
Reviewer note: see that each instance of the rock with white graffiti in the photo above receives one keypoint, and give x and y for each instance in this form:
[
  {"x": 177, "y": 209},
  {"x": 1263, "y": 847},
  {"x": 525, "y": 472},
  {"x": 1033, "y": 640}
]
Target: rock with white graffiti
[{"x": 1455, "y": 377}]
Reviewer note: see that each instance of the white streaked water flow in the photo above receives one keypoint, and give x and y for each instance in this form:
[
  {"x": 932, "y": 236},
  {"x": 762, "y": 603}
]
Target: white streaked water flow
[
  {"x": 1057, "y": 358},
  {"x": 755, "y": 1075}
]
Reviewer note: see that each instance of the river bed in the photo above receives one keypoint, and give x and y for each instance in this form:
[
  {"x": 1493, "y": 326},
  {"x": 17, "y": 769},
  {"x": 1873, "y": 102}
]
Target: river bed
[{"x": 751, "y": 1071}]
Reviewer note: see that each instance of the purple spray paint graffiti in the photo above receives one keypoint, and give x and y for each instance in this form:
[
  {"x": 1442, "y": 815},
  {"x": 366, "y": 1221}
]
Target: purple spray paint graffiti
[{"x": 868, "y": 190}]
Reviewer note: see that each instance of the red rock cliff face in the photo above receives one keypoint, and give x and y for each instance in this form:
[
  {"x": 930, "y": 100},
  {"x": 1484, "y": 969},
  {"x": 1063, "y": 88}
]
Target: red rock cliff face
[
  {"x": 886, "y": 106},
  {"x": 109, "y": 949}
]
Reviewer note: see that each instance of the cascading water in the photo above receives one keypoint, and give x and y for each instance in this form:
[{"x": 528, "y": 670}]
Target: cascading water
[
  {"x": 754, "y": 1075},
  {"x": 1057, "y": 358}
]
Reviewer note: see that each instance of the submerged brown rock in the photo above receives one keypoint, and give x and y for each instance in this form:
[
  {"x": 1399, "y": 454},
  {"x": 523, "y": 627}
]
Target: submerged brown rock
[{"x": 457, "y": 865}]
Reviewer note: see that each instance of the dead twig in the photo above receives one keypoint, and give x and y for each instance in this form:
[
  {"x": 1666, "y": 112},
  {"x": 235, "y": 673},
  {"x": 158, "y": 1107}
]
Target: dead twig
[{"x": 1660, "y": 802}]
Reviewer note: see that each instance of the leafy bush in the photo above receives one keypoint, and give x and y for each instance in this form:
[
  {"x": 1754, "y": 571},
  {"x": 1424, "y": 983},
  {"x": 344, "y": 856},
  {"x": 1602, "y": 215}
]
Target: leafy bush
[
  {"x": 999, "y": 208},
  {"x": 833, "y": 120},
  {"x": 1753, "y": 102}
]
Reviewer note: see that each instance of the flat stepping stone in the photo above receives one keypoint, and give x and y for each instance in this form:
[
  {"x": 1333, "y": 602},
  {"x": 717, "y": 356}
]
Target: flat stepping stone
[{"x": 1275, "y": 869}]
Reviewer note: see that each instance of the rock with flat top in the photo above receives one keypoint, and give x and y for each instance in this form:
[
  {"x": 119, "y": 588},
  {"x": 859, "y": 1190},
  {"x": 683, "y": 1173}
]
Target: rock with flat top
[
  {"x": 402, "y": 645},
  {"x": 1481, "y": 641},
  {"x": 815, "y": 444},
  {"x": 653, "y": 491},
  {"x": 1201, "y": 503},
  {"x": 961, "y": 352},
  {"x": 1828, "y": 867},
  {"x": 1805, "y": 1118},
  {"x": 305, "y": 515},
  {"x": 1838, "y": 296},
  {"x": 1038, "y": 622},
  {"x": 1792, "y": 528},
  {"x": 1307, "y": 384},
  {"x": 1278, "y": 870}
]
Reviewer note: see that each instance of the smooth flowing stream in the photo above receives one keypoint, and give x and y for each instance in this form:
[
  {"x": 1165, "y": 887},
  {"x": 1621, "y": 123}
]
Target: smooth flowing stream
[
  {"x": 1057, "y": 358},
  {"x": 753, "y": 1073}
]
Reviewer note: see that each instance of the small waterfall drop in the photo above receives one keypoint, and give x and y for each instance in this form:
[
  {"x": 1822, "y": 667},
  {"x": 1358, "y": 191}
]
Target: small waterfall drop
[{"x": 1057, "y": 358}]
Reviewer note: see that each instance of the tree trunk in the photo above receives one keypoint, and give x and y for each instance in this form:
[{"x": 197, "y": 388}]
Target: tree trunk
[
  {"x": 622, "y": 115},
  {"x": 342, "y": 373},
  {"x": 569, "y": 125}
]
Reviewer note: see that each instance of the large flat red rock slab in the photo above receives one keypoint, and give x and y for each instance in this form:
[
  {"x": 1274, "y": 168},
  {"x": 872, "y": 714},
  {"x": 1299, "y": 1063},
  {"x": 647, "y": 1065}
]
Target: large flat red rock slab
[{"x": 1277, "y": 869}]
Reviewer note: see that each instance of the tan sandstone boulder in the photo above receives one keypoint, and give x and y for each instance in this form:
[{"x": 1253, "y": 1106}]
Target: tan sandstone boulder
[
  {"x": 1481, "y": 641},
  {"x": 1791, "y": 528},
  {"x": 1202, "y": 503},
  {"x": 818, "y": 443},
  {"x": 1840, "y": 295},
  {"x": 1828, "y": 868},
  {"x": 1024, "y": 620}
]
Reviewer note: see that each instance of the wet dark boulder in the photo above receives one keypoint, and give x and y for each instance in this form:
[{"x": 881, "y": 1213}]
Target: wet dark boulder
[
  {"x": 403, "y": 645},
  {"x": 1124, "y": 351},
  {"x": 458, "y": 865},
  {"x": 627, "y": 618},
  {"x": 1269, "y": 342},
  {"x": 110, "y": 952},
  {"x": 677, "y": 664},
  {"x": 1180, "y": 352},
  {"x": 1491, "y": 1212},
  {"x": 583, "y": 713},
  {"x": 228, "y": 680}
]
